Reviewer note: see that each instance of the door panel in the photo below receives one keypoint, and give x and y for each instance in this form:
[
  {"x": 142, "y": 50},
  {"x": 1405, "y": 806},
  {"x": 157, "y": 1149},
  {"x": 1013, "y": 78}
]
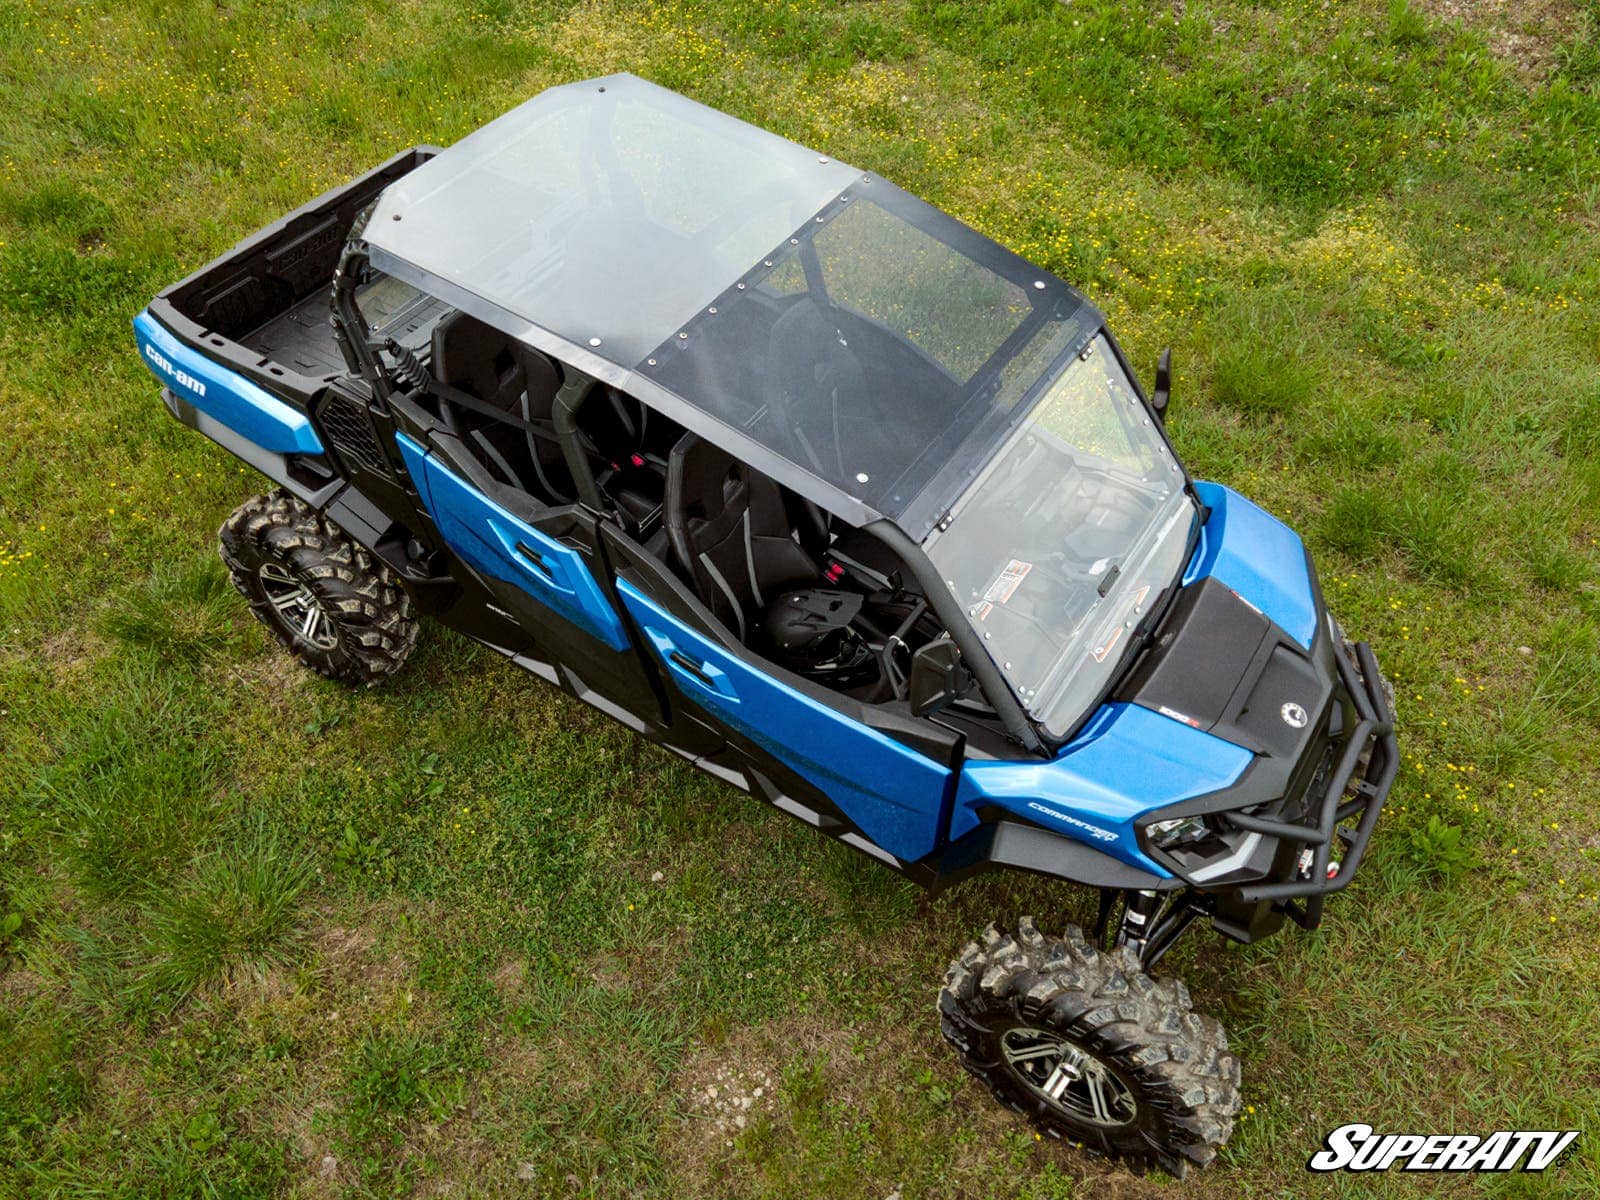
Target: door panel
[
  {"x": 499, "y": 544},
  {"x": 545, "y": 571},
  {"x": 894, "y": 794}
]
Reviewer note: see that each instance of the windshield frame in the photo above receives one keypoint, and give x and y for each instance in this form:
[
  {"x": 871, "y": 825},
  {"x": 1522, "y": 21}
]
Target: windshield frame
[{"x": 1156, "y": 614}]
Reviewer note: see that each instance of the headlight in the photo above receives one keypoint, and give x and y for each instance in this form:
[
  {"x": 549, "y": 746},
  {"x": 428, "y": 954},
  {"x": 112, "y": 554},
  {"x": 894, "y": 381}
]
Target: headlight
[
  {"x": 1201, "y": 851},
  {"x": 1180, "y": 831}
]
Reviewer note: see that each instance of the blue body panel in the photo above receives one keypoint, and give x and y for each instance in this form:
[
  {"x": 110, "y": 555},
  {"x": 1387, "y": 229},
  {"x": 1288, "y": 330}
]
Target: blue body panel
[
  {"x": 893, "y": 793},
  {"x": 503, "y": 546},
  {"x": 1259, "y": 557},
  {"x": 415, "y": 455},
  {"x": 246, "y": 408},
  {"x": 1126, "y": 761}
]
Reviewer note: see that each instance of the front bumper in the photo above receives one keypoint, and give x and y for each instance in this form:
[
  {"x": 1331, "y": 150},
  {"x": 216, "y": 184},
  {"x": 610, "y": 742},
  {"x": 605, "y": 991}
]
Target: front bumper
[{"x": 1349, "y": 799}]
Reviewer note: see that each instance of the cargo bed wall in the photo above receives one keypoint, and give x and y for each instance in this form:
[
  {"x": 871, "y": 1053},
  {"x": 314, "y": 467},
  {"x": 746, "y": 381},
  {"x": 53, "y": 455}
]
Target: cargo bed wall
[{"x": 262, "y": 308}]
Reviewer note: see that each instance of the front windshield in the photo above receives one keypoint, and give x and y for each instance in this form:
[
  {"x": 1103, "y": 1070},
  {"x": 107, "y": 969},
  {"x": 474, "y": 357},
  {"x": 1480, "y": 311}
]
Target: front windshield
[{"x": 1068, "y": 537}]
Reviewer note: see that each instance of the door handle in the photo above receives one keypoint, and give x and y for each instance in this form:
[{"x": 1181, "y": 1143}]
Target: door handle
[
  {"x": 537, "y": 559},
  {"x": 680, "y": 659},
  {"x": 705, "y": 675}
]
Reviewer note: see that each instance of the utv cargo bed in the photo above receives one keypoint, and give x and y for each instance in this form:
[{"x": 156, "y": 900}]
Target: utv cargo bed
[{"x": 261, "y": 309}]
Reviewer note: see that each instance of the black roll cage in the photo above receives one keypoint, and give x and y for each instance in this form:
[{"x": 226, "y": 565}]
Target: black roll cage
[{"x": 353, "y": 335}]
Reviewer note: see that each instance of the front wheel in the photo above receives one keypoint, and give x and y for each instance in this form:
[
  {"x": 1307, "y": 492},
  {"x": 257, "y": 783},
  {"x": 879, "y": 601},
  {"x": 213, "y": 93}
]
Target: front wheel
[
  {"x": 1091, "y": 1048},
  {"x": 335, "y": 607}
]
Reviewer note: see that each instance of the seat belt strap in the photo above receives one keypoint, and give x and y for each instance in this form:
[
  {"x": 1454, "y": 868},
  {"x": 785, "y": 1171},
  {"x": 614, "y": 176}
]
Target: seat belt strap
[
  {"x": 733, "y": 601},
  {"x": 750, "y": 561}
]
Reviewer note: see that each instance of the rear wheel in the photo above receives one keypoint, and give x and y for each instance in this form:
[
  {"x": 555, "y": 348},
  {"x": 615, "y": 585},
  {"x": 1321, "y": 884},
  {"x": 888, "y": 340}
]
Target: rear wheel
[
  {"x": 1091, "y": 1048},
  {"x": 335, "y": 607}
]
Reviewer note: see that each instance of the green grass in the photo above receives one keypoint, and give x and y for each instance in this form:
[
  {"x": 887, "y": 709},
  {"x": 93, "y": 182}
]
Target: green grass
[{"x": 260, "y": 936}]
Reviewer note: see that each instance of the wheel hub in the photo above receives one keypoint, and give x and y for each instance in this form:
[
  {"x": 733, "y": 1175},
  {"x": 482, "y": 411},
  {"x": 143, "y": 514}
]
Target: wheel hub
[
  {"x": 1068, "y": 1077},
  {"x": 297, "y": 607}
]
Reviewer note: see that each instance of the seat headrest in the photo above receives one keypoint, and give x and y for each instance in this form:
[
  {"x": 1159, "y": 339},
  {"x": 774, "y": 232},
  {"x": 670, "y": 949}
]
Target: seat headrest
[
  {"x": 697, "y": 476},
  {"x": 465, "y": 353}
]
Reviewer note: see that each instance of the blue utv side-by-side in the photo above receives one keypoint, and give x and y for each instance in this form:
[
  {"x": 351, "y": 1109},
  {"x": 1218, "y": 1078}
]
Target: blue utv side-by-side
[{"x": 838, "y": 499}]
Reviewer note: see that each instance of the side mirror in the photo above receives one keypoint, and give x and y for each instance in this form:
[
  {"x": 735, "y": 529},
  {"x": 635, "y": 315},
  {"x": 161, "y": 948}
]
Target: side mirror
[
  {"x": 937, "y": 677},
  {"x": 1162, "y": 396}
]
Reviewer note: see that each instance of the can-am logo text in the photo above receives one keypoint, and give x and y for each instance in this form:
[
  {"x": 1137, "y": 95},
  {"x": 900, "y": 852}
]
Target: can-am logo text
[
  {"x": 1359, "y": 1148},
  {"x": 179, "y": 375}
]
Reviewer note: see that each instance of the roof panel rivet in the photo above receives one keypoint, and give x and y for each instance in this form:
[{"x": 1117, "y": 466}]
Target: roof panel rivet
[
  {"x": 397, "y": 216},
  {"x": 683, "y": 335},
  {"x": 740, "y": 286},
  {"x": 819, "y": 220},
  {"x": 650, "y": 362},
  {"x": 794, "y": 241},
  {"x": 1038, "y": 284},
  {"x": 822, "y": 159},
  {"x": 862, "y": 477},
  {"x": 712, "y": 309},
  {"x": 594, "y": 341}
]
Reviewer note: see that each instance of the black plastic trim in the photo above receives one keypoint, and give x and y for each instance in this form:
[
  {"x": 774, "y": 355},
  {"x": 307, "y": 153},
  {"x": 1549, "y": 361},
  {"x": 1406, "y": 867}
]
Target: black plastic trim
[{"x": 1012, "y": 844}]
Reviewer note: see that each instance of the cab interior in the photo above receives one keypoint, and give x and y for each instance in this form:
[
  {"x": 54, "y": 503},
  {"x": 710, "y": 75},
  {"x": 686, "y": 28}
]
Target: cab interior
[{"x": 792, "y": 583}]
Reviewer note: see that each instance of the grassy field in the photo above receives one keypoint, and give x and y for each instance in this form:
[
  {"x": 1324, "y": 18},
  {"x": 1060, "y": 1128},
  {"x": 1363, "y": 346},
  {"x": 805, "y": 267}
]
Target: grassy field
[{"x": 259, "y": 935}]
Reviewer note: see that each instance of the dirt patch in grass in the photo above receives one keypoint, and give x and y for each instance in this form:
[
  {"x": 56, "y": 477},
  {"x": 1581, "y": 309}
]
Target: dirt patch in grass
[
  {"x": 344, "y": 951},
  {"x": 718, "y": 1085},
  {"x": 70, "y": 654},
  {"x": 19, "y": 985},
  {"x": 278, "y": 683},
  {"x": 509, "y": 978},
  {"x": 1525, "y": 33},
  {"x": 368, "y": 949}
]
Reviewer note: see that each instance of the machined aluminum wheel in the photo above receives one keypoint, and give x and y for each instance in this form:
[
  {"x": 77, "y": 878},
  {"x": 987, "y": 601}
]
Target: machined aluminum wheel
[
  {"x": 329, "y": 601},
  {"x": 1068, "y": 1076},
  {"x": 1090, "y": 1048},
  {"x": 297, "y": 607}
]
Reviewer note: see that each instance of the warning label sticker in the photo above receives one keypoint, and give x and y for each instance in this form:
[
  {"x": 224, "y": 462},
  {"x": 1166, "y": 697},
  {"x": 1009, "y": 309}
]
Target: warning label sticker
[{"x": 1006, "y": 584}]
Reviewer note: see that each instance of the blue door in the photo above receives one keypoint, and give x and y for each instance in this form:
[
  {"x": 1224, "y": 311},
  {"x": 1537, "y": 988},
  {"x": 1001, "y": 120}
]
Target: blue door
[
  {"x": 503, "y": 546},
  {"x": 545, "y": 571},
  {"x": 895, "y": 795}
]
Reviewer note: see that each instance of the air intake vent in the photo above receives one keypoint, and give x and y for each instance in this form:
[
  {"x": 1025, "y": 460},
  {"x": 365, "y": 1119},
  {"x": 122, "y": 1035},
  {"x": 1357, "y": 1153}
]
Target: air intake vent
[{"x": 344, "y": 419}]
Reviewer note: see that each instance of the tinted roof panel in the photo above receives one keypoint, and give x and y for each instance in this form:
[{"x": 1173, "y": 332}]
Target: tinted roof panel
[
  {"x": 856, "y": 344},
  {"x": 609, "y": 209}
]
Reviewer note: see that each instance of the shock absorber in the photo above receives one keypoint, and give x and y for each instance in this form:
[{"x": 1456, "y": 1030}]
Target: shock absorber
[
  {"x": 408, "y": 368},
  {"x": 1138, "y": 916}
]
